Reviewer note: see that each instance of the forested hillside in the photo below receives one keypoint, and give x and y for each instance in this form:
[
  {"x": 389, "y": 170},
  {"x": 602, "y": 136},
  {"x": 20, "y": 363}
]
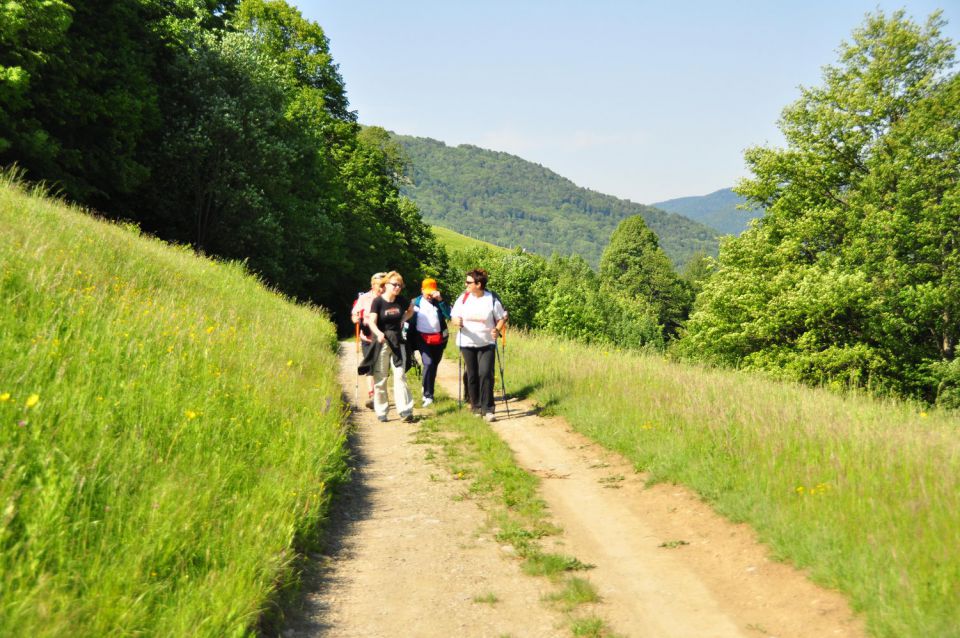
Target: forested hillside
[
  {"x": 718, "y": 210},
  {"x": 508, "y": 201}
]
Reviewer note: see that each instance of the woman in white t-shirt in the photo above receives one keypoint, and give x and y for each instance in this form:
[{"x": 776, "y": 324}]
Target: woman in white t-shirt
[{"x": 481, "y": 317}]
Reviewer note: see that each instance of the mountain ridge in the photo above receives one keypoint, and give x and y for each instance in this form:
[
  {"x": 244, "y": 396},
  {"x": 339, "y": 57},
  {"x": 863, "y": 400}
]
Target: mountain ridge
[
  {"x": 719, "y": 210},
  {"x": 509, "y": 201}
]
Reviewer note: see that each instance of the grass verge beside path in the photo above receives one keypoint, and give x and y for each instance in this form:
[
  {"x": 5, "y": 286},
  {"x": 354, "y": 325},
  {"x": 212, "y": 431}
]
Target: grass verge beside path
[
  {"x": 474, "y": 454},
  {"x": 169, "y": 430},
  {"x": 864, "y": 493}
]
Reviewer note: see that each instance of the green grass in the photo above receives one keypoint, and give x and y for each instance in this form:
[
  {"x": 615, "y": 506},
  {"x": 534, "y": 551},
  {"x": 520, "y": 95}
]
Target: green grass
[
  {"x": 454, "y": 241},
  {"x": 169, "y": 432},
  {"x": 552, "y": 565},
  {"x": 576, "y": 591},
  {"x": 863, "y": 493},
  {"x": 591, "y": 627},
  {"x": 488, "y": 599}
]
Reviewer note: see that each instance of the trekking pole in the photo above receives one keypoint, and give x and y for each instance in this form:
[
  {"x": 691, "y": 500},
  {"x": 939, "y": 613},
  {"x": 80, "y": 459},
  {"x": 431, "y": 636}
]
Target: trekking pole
[
  {"x": 459, "y": 379},
  {"x": 503, "y": 384},
  {"x": 356, "y": 388},
  {"x": 503, "y": 335}
]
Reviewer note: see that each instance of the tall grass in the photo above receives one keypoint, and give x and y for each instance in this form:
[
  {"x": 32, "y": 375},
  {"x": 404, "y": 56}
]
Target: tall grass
[
  {"x": 168, "y": 431},
  {"x": 862, "y": 492}
]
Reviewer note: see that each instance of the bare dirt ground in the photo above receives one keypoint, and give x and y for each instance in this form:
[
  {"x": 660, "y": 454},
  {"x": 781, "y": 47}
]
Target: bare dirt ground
[{"x": 408, "y": 558}]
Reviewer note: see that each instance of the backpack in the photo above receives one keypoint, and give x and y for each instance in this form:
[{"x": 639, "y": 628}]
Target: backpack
[
  {"x": 496, "y": 298},
  {"x": 364, "y": 328}
]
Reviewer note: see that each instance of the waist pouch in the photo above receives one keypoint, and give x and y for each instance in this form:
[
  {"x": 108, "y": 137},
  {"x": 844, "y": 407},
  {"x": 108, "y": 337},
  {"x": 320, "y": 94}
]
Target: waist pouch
[{"x": 432, "y": 338}]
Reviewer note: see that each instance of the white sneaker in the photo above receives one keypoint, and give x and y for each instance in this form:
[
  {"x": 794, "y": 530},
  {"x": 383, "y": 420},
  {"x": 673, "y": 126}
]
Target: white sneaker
[
  {"x": 427, "y": 402},
  {"x": 489, "y": 417}
]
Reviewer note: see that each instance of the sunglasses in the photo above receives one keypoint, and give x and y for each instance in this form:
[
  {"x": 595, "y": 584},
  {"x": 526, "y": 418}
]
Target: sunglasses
[
  {"x": 391, "y": 283},
  {"x": 469, "y": 282}
]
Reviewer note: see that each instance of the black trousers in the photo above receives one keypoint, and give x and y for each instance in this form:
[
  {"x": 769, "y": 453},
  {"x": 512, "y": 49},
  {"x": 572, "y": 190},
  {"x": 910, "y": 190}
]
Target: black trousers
[{"x": 479, "y": 364}]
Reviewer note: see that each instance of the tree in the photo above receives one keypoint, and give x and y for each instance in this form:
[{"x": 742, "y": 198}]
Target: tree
[
  {"x": 851, "y": 276},
  {"x": 635, "y": 268},
  {"x": 30, "y": 32},
  {"x": 300, "y": 47}
]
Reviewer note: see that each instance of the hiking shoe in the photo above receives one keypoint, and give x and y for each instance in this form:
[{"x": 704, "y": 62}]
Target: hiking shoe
[
  {"x": 489, "y": 417},
  {"x": 382, "y": 418},
  {"x": 427, "y": 401},
  {"x": 408, "y": 417},
  {"x": 369, "y": 402}
]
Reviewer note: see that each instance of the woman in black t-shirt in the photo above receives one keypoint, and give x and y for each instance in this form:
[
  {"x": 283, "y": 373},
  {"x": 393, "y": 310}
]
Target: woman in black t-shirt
[{"x": 388, "y": 312}]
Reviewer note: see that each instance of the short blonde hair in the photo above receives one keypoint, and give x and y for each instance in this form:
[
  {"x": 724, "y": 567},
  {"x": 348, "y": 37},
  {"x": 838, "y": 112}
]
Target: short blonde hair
[
  {"x": 393, "y": 274},
  {"x": 377, "y": 278}
]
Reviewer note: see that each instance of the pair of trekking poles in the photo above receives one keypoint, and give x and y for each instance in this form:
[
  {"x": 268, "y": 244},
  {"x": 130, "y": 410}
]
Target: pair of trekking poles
[{"x": 503, "y": 383}]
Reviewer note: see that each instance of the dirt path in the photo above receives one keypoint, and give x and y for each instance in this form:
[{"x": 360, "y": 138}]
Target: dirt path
[{"x": 409, "y": 560}]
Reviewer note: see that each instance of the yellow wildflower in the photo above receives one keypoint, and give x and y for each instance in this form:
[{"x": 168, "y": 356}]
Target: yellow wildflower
[
  {"x": 32, "y": 400},
  {"x": 4, "y": 397},
  {"x": 190, "y": 414},
  {"x": 289, "y": 363},
  {"x": 210, "y": 329}
]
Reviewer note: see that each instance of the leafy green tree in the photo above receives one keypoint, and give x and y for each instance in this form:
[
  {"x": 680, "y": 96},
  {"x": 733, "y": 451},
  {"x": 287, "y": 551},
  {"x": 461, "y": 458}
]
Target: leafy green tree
[
  {"x": 696, "y": 272},
  {"x": 30, "y": 32},
  {"x": 634, "y": 267},
  {"x": 851, "y": 276},
  {"x": 571, "y": 306},
  {"x": 89, "y": 97},
  {"x": 225, "y": 159},
  {"x": 300, "y": 47}
]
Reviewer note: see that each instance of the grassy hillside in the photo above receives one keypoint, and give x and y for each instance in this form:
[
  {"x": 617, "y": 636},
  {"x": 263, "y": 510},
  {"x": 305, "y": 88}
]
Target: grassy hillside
[
  {"x": 508, "y": 201},
  {"x": 863, "y": 493},
  {"x": 169, "y": 430},
  {"x": 452, "y": 240},
  {"x": 718, "y": 210}
]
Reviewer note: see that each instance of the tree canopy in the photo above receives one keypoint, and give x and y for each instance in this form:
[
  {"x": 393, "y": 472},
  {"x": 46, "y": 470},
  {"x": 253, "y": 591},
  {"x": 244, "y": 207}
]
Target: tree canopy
[
  {"x": 635, "y": 268},
  {"x": 852, "y": 276}
]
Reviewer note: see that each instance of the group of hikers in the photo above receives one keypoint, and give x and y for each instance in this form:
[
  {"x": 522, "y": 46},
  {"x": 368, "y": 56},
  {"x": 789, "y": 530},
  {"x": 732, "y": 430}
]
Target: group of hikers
[{"x": 391, "y": 327}]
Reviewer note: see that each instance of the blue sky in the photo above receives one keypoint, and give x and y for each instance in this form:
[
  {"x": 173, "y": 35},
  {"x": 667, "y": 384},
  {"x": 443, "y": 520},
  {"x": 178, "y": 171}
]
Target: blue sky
[{"x": 643, "y": 100}]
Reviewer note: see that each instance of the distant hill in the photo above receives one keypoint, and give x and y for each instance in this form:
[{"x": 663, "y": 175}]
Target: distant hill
[
  {"x": 717, "y": 210},
  {"x": 508, "y": 201}
]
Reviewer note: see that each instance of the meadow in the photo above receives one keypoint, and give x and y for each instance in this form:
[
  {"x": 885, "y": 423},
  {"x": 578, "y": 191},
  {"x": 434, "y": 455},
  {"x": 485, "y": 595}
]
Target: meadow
[
  {"x": 170, "y": 431},
  {"x": 454, "y": 241},
  {"x": 862, "y": 493}
]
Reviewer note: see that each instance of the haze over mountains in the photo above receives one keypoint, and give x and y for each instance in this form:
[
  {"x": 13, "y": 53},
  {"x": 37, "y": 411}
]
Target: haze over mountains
[
  {"x": 718, "y": 210},
  {"x": 509, "y": 201}
]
